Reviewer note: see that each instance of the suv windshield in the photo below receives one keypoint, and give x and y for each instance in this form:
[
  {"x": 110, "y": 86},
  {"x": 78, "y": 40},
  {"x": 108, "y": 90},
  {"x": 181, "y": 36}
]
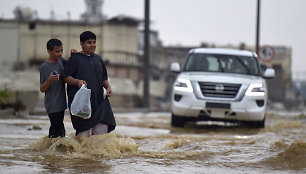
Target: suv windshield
[{"x": 222, "y": 63}]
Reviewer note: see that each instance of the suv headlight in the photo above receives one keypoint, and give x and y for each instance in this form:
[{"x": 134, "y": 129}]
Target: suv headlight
[
  {"x": 183, "y": 85},
  {"x": 256, "y": 89}
]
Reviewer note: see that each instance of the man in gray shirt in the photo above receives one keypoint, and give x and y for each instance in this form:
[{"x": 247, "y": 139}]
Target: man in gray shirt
[{"x": 52, "y": 84}]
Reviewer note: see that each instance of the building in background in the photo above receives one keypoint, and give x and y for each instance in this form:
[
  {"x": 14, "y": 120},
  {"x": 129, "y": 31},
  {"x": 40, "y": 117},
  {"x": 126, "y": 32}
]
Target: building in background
[
  {"x": 93, "y": 13},
  {"x": 117, "y": 41},
  {"x": 120, "y": 42}
]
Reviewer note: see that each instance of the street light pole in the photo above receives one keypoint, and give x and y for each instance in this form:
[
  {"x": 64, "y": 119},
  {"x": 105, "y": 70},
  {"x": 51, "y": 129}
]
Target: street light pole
[
  {"x": 257, "y": 26},
  {"x": 146, "y": 58},
  {"x": 18, "y": 41}
]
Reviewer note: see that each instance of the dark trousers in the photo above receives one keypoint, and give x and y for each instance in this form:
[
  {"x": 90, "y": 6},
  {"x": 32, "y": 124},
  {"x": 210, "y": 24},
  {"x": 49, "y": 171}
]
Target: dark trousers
[{"x": 57, "y": 124}]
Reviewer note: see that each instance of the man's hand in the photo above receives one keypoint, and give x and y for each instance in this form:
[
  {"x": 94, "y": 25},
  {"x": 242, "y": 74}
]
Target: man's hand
[
  {"x": 81, "y": 82},
  {"x": 53, "y": 78},
  {"x": 109, "y": 92},
  {"x": 108, "y": 88},
  {"x": 73, "y": 51}
]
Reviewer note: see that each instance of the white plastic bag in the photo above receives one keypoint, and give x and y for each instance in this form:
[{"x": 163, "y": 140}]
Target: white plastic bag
[{"x": 80, "y": 105}]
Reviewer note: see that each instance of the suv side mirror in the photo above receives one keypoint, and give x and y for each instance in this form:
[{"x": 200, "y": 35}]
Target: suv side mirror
[
  {"x": 269, "y": 73},
  {"x": 175, "y": 67}
]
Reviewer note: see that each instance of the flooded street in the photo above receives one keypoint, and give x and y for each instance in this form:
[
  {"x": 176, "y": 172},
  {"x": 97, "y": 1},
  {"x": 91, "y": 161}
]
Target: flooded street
[{"x": 145, "y": 143}]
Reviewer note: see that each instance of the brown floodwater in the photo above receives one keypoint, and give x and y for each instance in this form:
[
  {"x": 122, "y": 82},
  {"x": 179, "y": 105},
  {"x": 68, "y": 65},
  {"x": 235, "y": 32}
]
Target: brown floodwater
[{"x": 145, "y": 143}]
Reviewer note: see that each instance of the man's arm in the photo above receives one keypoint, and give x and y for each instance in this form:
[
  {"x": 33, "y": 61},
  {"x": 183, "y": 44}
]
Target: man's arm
[
  {"x": 72, "y": 81},
  {"x": 108, "y": 88},
  {"x": 52, "y": 78}
]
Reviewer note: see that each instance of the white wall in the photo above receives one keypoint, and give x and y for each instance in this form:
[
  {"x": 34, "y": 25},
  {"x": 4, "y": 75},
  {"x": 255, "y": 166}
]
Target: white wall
[{"x": 9, "y": 46}]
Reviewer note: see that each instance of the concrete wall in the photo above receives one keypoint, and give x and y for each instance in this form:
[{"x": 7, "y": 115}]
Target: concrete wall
[
  {"x": 9, "y": 45},
  {"x": 33, "y": 42},
  {"x": 117, "y": 43},
  {"x": 120, "y": 44}
]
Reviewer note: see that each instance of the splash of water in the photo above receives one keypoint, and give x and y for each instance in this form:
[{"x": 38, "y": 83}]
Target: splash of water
[
  {"x": 176, "y": 143},
  {"x": 292, "y": 156},
  {"x": 107, "y": 145},
  {"x": 285, "y": 124}
]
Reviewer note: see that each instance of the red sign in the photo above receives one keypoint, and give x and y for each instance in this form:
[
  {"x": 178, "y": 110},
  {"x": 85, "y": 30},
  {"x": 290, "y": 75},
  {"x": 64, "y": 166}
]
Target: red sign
[{"x": 266, "y": 53}]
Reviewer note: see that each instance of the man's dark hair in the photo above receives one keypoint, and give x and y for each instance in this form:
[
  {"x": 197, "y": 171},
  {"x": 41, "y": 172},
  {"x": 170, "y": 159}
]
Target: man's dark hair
[
  {"x": 52, "y": 43},
  {"x": 86, "y": 35}
]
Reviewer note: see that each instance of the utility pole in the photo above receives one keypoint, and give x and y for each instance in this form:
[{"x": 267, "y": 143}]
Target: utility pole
[
  {"x": 18, "y": 40},
  {"x": 146, "y": 58},
  {"x": 18, "y": 13},
  {"x": 257, "y": 26}
]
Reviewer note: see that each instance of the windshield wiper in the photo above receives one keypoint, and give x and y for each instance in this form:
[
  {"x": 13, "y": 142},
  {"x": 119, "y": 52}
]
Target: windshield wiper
[{"x": 244, "y": 65}]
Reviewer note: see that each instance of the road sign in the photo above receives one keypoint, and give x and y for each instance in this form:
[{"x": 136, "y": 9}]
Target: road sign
[{"x": 266, "y": 53}]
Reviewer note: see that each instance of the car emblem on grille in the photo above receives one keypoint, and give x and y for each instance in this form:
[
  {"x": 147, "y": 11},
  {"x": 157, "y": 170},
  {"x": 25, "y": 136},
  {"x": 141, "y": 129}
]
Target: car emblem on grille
[{"x": 219, "y": 87}]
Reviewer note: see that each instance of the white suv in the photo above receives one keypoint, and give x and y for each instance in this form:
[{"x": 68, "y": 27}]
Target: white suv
[{"x": 220, "y": 85}]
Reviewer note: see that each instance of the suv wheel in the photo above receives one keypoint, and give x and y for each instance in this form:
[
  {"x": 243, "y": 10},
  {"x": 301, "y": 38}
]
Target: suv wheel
[
  {"x": 257, "y": 124},
  {"x": 177, "y": 121},
  {"x": 260, "y": 124}
]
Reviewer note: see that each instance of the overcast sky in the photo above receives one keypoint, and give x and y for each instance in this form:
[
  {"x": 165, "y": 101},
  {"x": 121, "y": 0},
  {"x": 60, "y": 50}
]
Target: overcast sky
[{"x": 190, "y": 22}]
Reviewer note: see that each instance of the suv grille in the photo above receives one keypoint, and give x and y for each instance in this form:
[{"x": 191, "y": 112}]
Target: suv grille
[{"x": 219, "y": 90}]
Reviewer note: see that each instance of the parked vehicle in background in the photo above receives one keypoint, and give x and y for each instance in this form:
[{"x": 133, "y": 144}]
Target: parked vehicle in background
[{"x": 220, "y": 85}]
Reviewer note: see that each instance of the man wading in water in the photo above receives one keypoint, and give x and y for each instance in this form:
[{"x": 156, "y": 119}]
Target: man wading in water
[{"x": 88, "y": 68}]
